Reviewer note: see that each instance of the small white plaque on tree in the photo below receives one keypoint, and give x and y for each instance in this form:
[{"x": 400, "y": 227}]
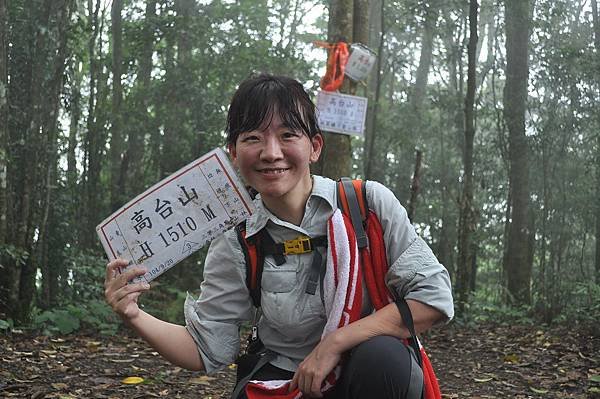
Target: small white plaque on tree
[
  {"x": 177, "y": 216},
  {"x": 341, "y": 113},
  {"x": 360, "y": 62}
]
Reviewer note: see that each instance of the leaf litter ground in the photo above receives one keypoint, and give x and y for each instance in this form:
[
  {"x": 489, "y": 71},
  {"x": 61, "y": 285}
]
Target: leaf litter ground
[{"x": 484, "y": 361}]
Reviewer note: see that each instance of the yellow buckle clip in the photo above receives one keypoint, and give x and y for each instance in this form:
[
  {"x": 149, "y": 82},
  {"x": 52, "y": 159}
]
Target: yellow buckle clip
[{"x": 297, "y": 246}]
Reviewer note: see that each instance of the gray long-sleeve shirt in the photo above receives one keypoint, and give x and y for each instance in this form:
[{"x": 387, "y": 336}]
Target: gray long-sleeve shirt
[{"x": 292, "y": 320}]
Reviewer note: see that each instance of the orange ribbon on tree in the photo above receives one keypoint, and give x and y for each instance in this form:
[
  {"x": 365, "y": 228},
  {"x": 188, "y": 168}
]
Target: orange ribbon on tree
[{"x": 336, "y": 64}]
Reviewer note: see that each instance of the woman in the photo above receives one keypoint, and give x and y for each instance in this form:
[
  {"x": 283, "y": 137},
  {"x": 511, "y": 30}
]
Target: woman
[{"x": 273, "y": 137}]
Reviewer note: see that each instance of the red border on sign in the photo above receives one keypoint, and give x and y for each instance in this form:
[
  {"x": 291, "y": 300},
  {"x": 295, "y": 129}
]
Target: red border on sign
[{"x": 165, "y": 183}]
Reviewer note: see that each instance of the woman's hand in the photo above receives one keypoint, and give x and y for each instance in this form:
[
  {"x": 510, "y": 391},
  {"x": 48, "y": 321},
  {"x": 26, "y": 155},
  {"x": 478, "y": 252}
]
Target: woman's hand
[
  {"x": 316, "y": 366},
  {"x": 122, "y": 297}
]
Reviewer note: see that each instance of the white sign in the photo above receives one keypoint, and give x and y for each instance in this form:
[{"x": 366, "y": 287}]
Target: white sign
[
  {"x": 177, "y": 216},
  {"x": 360, "y": 62},
  {"x": 341, "y": 113}
]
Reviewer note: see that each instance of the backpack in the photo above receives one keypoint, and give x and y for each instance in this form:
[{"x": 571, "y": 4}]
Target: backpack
[{"x": 352, "y": 201}]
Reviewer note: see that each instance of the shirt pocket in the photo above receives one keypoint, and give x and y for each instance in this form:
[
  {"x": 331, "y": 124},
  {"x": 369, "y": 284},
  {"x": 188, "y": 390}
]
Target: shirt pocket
[{"x": 278, "y": 280}]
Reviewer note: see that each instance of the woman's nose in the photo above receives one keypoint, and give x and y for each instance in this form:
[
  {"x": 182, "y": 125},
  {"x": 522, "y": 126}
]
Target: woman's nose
[{"x": 271, "y": 150}]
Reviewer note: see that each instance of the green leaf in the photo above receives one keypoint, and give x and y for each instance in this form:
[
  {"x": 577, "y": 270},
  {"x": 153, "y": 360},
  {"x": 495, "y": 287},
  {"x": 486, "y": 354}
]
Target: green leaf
[
  {"x": 594, "y": 378},
  {"x": 64, "y": 321},
  {"x": 4, "y": 325}
]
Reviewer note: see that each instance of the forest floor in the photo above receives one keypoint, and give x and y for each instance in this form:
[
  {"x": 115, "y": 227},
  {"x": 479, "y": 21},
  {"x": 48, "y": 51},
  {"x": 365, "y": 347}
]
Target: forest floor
[{"x": 484, "y": 361}]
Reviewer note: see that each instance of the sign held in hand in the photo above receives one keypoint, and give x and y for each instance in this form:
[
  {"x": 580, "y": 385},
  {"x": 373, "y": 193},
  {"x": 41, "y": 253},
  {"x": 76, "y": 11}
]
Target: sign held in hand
[{"x": 177, "y": 216}]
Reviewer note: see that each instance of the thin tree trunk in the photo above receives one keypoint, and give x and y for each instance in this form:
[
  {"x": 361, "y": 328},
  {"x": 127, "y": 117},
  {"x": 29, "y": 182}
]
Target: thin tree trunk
[
  {"x": 371, "y": 134},
  {"x": 93, "y": 140},
  {"x": 467, "y": 220},
  {"x": 132, "y": 165},
  {"x": 3, "y": 120},
  {"x": 515, "y": 97},
  {"x": 596, "y": 19},
  {"x": 420, "y": 86},
  {"x": 543, "y": 279},
  {"x": 50, "y": 127},
  {"x": 415, "y": 186},
  {"x": 117, "y": 139},
  {"x": 445, "y": 241}
]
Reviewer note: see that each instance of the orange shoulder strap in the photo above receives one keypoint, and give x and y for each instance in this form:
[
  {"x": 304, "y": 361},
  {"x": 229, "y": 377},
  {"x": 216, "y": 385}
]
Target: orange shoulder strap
[{"x": 254, "y": 263}]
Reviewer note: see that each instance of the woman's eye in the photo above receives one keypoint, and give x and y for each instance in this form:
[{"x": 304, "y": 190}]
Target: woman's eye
[
  {"x": 250, "y": 138},
  {"x": 289, "y": 135}
]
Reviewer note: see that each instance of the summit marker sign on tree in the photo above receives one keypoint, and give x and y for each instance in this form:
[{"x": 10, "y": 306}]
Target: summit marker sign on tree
[{"x": 341, "y": 113}]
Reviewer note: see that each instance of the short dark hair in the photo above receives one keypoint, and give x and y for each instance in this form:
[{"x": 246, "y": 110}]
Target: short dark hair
[{"x": 256, "y": 99}]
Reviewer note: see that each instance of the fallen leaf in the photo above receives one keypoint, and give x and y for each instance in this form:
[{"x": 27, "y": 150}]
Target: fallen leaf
[
  {"x": 594, "y": 378},
  {"x": 232, "y": 366},
  {"x": 202, "y": 380},
  {"x": 486, "y": 379},
  {"x": 59, "y": 385},
  {"x": 122, "y": 360},
  {"x": 132, "y": 380},
  {"x": 512, "y": 358},
  {"x": 538, "y": 390}
]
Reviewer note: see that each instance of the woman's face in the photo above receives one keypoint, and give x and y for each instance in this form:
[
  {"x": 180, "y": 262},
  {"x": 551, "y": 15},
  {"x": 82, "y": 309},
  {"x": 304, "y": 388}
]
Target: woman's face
[{"x": 275, "y": 160}]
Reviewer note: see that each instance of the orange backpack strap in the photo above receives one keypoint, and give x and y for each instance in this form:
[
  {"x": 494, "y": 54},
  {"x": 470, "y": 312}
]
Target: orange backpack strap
[
  {"x": 254, "y": 260},
  {"x": 352, "y": 200}
]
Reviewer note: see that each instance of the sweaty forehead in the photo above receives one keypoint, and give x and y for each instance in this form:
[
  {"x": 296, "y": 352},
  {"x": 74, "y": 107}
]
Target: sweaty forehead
[{"x": 274, "y": 120}]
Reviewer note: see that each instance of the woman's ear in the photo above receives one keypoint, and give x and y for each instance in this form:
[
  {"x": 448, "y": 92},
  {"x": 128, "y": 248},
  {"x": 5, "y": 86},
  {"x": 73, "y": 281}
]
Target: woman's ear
[
  {"x": 317, "y": 146},
  {"x": 232, "y": 154}
]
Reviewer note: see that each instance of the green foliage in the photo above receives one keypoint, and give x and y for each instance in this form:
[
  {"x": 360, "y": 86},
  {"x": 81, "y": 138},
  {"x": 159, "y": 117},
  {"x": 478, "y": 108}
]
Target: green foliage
[
  {"x": 89, "y": 270},
  {"x": 18, "y": 255},
  {"x": 583, "y": 305},
  {"x": 6, "y": 325},
  {"x": 482, "y": 308},
  {"x": 165, "y": 302},
  {"x": 94, "y": 315}
]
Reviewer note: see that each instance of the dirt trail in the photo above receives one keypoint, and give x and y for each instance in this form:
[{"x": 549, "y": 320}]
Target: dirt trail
[{"x": 477, "y": 362}]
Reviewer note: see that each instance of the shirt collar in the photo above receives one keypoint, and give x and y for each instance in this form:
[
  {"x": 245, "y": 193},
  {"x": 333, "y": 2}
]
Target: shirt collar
[{"x": 323, "y": 188}]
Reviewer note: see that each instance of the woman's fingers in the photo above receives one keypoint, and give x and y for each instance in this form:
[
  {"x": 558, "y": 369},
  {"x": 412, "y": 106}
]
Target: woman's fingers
[
  {"x": 113, "y": 268},
  {"x": 294, "y": 383},
  {"x": 121, "y": 296},
  {"x": 315, "y": 386}
]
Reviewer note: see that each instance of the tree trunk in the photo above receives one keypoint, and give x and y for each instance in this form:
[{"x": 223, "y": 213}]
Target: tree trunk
[
  {"x": 467, "y": 221},
  {"x": 93, "y": 140},
  {"x": 50, "y": 128},
  {"x": 515, "y": 96},
  {"x": 596, "y": 19},
  {"x": 371, "y": 133},
  {"x": 415, "y": 187},
  {"x": 446, "y": 239},
  {"x": 176, "y": 110},
  {"x": 132, "y": 165},
  {"x": 117, "y": 140},
  {"x": 3, "y": 122},
  {"x": 337, "y": 152},
  {"x": 420, "y": 86}
]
